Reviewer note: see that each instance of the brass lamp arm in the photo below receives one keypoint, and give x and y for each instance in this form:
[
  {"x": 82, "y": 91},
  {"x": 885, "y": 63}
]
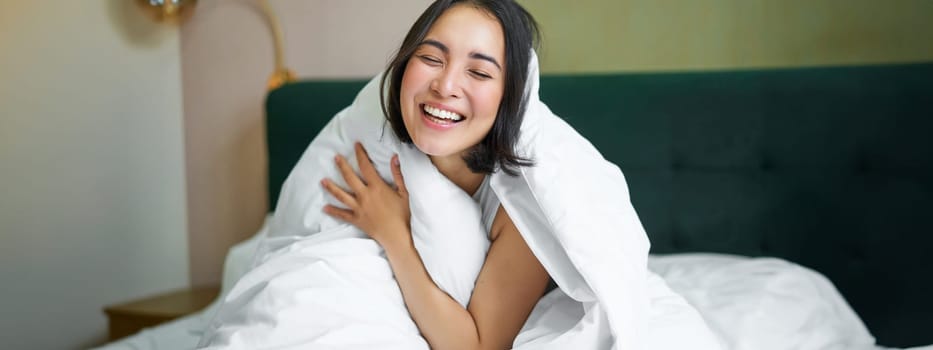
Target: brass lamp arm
[{"x": 281, "y": 75}]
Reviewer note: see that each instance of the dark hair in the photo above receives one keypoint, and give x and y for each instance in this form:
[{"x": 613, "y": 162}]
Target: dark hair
[{"x": 497, "y": 149}]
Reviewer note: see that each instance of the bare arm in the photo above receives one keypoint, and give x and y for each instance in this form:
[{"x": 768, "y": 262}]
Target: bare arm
[{"x": 508, "y": 287}]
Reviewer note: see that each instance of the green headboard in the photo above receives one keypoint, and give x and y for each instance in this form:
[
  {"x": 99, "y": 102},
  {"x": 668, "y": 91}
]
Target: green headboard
[{"x": 831, "y": 168}]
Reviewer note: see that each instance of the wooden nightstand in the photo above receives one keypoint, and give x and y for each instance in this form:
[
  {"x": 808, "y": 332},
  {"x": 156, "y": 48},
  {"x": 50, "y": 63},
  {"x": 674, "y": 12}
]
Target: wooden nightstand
[{"x": 131, "y": 317}]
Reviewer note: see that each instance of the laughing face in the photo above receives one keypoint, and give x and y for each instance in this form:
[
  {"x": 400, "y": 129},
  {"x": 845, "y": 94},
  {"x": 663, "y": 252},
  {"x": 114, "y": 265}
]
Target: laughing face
[{"x": 453, "y": 83}]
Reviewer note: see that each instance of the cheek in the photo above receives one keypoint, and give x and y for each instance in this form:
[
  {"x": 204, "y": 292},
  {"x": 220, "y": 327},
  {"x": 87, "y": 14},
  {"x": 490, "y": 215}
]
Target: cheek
[
  {"x": 407, "y": 93},
  {"x": 488, "y": 104},
  {"x": 412, "y": 80}
]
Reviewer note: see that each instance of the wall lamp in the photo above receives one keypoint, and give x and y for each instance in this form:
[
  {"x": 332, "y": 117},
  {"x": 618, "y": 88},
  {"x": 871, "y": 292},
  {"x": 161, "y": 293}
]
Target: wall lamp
[{"x": 176, "y": 11}]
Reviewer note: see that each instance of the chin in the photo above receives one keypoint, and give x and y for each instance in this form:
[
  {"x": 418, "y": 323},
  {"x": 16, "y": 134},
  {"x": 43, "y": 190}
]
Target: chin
[{"x": 432, "y": 149}]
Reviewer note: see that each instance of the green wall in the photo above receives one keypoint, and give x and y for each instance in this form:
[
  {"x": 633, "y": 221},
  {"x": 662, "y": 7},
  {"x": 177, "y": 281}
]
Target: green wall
[{"x": 663, "y": 35}]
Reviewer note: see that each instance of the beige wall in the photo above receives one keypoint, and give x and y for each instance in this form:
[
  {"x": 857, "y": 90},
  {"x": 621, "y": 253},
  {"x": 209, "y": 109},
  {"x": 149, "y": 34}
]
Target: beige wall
[
  {"x": 92, "y": 208},
  {"x": 653, "y": 35},
  {"x": 227, "y": 56}
]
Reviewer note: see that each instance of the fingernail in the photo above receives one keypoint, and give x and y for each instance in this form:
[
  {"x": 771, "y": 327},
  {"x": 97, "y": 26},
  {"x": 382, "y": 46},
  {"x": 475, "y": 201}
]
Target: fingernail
[{"x": 395, "y": 160}]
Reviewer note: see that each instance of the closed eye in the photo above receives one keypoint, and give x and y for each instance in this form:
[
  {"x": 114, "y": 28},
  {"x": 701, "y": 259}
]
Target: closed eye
[
  {"x": 480, "y": 74},
  {"x": 430, "y": 60}
]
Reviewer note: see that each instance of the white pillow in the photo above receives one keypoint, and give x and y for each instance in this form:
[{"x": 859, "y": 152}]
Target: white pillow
[{"x": 764, "y": 303}]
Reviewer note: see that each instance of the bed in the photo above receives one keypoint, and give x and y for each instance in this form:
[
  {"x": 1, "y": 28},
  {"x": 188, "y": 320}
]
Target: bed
[{"x": 815, "y": 177}]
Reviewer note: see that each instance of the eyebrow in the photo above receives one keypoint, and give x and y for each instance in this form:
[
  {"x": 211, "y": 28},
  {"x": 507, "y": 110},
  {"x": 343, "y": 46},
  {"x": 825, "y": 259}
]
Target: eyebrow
[{"x": 476, "y": 55}]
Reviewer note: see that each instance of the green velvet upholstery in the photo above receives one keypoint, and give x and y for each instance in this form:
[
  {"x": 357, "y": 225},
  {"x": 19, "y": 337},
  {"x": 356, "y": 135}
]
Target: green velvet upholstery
[{"x": 831, "y": 168}]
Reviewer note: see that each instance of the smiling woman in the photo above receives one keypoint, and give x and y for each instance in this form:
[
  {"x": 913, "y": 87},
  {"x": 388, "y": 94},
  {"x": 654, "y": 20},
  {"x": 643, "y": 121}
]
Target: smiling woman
[
  {"x": 447, "y": 97},
  {"x": 450, "y": 93},
  {"x": 445, "y": 76},
  {"x": 458, "y": 55}
]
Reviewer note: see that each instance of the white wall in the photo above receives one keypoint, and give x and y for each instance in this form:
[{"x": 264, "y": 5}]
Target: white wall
[{"x": 92, "y": 193}]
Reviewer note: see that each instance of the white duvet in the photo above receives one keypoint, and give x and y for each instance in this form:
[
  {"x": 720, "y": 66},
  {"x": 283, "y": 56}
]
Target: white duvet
[
  {"x": 751, "y": 304},
  {"x": 319, "y": 283}
]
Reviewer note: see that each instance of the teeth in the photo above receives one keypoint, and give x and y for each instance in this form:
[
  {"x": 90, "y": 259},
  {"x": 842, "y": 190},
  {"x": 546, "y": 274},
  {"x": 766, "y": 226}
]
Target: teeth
[{"x": 440, "y": 113}]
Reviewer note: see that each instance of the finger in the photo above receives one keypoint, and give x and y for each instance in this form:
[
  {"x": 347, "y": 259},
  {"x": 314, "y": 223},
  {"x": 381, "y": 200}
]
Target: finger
[
  {"x": 341, "y": 195},
  {"x": 346, "y": 171},
  {"x": 366, "y": 165},
  {"x": 339, "y": 213},
  {"x": 397, "y": 175}
]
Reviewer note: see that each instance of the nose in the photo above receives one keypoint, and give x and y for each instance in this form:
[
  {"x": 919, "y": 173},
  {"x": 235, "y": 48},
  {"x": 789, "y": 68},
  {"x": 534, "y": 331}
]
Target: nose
[{"x": 447, "y": 84}]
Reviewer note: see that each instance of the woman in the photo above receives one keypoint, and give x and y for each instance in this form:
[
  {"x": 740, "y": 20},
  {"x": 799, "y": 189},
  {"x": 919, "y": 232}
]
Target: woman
[
  {"x": 456, "y": 91},
  {"x": 456, "y": 257}
]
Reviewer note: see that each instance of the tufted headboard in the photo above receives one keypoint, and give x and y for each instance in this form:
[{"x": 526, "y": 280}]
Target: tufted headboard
[{"x": 831, "y": 168}]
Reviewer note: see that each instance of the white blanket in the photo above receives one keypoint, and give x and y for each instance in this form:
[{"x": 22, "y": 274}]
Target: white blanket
[
  {"x": 751, "y": 303},
  {"x": 319, "y": 283}
]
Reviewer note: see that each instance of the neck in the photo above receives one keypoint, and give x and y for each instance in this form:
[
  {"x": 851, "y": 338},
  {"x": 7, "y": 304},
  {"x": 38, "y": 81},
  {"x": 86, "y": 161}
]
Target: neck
[{"x": 455, "y": 168}]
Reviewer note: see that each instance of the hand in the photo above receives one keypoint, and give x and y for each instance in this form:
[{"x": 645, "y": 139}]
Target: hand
[{"x": 372, "y": 205}]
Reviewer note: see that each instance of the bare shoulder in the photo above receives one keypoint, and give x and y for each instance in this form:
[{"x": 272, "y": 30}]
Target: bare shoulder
[{"x": 501, "y": 222}]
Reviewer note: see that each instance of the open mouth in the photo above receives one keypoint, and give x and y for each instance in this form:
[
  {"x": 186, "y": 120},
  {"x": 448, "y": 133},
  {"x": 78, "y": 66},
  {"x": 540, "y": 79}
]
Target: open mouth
[{"x": 439, "y": 116}]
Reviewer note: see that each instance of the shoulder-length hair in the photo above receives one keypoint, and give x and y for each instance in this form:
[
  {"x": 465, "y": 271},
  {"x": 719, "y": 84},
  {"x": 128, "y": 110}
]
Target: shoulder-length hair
[{"x": 497, "y": 149}]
